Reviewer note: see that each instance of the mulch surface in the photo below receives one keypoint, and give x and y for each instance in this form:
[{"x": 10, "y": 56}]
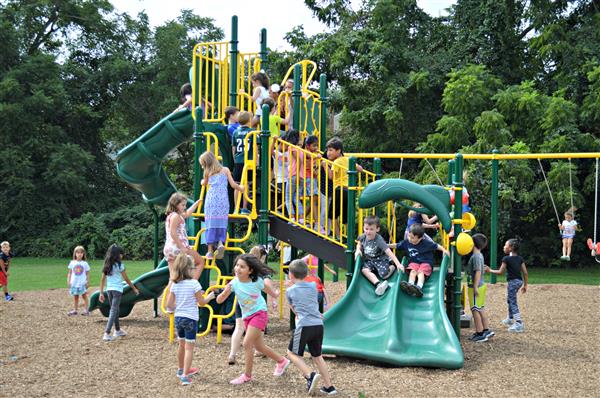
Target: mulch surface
[{"x": 44, "y": 353}]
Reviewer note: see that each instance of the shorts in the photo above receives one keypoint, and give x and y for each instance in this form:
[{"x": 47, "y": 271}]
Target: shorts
[
  {"x": 186, "y": 329},
  {"x": 311, "y": 187},
  {"x": 425, "y": 268},
  {"x": 237, "y": 172},
  {"x": 3, "y": 279},
  {"x": 171, "y": 251},
  {"x": 338, "y": 205},
  {"x": 259, "y": 320},
  {"x": 568, "y": 236},
  {"x": 378, "y": 266},
  {"x": 215, "y": 235},
  {"x": 478, "y": 303},
  {"x": 311, "y": 336},
  {"x": 77, "y": 290}
]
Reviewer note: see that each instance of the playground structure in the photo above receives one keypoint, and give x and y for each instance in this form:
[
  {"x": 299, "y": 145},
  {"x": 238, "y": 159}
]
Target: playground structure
[{"x": 394, "y": 329}]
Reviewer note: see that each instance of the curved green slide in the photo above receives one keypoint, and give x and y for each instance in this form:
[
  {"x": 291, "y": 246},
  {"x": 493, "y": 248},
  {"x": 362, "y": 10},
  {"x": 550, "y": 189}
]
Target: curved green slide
[{"x": 395, "y": 328}]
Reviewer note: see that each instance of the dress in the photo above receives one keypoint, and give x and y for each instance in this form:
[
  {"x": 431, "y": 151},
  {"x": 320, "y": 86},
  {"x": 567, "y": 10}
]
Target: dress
[
  {"x": 216, "y": 209},
  {"x": 171, "y": 250}
]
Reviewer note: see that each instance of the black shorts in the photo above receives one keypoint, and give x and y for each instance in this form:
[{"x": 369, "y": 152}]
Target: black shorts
[
  {"x": 311, "y": 336},
  {"x": 237, "y": 172},
  {"x": 339, "y": 204}
]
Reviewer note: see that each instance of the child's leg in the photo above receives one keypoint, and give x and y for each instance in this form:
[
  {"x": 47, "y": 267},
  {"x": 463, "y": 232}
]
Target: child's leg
[
  {"x": 477, "y": 320},
  {"x": 513, "y": 288},
  {"x": 188, "y": 356},
  {"x": 370, "y": 275},
  {"x": 564, "y": 247},
  {"x": 84, "y": 296},
  {"x": 260, "y": 345},
  {"x": 114, "y": 299},
  {"x": 420, "y": 279},
  {"x": 323, "y": 370},
  {"x": 485, "y": 323},
  {"x": 76, "y": 302},
  {"x": 252, "y": 334},
  {"x": 5, "y": 289},
  {"x": 299, "y": 362},
  {"x": 210, "y": 248},
  {"x": 508, "y": 302},
  {"x": 198, "y": 262},
  {"x": 412, "y": 276},
  {"x": 236, "y": 338},
  {"x": 569, "y": 245},
  {"x": 181, "y": 353}
]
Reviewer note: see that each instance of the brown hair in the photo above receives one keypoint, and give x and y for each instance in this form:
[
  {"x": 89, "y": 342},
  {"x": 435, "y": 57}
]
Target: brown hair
[
  {"x": 257, "y": 268},
  {"x": 174, "y": 200},
  {"x": 182, "y": 267},
  {"x": 335, "y": 143},
  {"x": 372, "y": 220},
  {"x": 79, "y": 249},
  {"x": 262, "y": 78},
  {"x": 269, "y": 101},
  {"x": 244, "y": 118},
  {"x": 299, "y": 269},
  {"x": 230, "y": 111}
]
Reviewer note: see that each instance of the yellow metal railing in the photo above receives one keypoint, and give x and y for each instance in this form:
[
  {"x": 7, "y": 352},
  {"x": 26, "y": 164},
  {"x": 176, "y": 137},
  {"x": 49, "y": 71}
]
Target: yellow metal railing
[
  {"x": 211, "y": 61},
  {"x": 475, "y": 156},
  {"x": 248, "y": 64}
]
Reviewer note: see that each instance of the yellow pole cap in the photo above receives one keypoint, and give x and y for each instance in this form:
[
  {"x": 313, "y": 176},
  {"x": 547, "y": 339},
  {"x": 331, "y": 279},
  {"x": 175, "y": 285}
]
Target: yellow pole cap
[
  {"x": 464, "y": 244},
  {"x": 468, "y": 221}
]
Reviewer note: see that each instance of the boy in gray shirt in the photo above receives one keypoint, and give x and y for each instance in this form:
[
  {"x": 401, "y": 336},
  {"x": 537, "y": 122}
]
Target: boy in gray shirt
[{"x": 302, "y": 297}]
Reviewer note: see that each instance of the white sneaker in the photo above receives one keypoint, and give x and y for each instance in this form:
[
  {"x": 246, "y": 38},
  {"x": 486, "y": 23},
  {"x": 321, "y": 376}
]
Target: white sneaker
[
  {"x": 381, "y": 288},
  {"x": 517, "y": 327},
  {"x": 507, "y": 322},
  {"x": 107, "y": 337},
  {"x": 220, "y": 251},
  {"x": 119, "y": 333}
]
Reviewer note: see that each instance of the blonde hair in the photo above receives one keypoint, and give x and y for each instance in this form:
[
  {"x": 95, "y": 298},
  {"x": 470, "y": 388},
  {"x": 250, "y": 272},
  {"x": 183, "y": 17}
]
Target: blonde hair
[
  {"x": 244, "y": 118},
  {"x": 210, "y": 164},
  {"x": 79, "y": 249},
  {"x": 182, "y": 267},
  {"x": 5, "y": 243},
  {"x": 259, "y": 252},
  {"x": 175, "y": 200}
]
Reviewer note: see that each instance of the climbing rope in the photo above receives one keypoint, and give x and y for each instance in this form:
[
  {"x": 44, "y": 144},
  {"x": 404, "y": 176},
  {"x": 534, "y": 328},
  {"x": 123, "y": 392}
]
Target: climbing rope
[
  {"x": 434, "y": 172},
  {"x": 549, "y": 191}
]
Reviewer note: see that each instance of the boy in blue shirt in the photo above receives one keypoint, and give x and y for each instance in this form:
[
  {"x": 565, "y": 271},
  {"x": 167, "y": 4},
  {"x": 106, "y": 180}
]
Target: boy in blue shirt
[
  {"x": 302, "y": 297},
  {"x": 231, "y": 118},
  {"x": 239, "y": 149},
  {"x": 420, "y": 257}
]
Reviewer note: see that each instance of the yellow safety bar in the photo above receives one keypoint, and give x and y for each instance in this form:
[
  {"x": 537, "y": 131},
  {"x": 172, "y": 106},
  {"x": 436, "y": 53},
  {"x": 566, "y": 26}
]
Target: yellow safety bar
[
  {"x": 211, "y": 60},
  {"x": 212, "y": 144},
  {"x": 473, "y": 156},
  {"x": 306, "y": 76},
  {"x": 248, "y": 64}
]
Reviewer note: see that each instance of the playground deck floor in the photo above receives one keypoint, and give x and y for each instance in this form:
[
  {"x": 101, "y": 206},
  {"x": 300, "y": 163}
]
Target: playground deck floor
[{"x": 45, "y": 353}]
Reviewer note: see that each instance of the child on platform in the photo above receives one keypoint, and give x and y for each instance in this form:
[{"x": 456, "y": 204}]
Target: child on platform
[
  {"x": 78, "y": 280},
  {"x": 313, "y": 218},
  {"x": 376, "y": 255},
  {"x": 5, "y": 257},
  {"x": 216, "y": 203},
  {"x": 567, "y": 232},
  {"x": 260, "y": 92},
  {"x": 231, "y": 118},
  {"x": 302, "y": 297},
  {"x": 420, "y": 257},
  {"x": 517, "y": 278},
  {"x": 185, "y": 296},
  {"x": 238, "y": 149},
  {"x": 247, "y": 286},
  {"x": 293, "y": 188},
  {"x": 478, "y": 290}
]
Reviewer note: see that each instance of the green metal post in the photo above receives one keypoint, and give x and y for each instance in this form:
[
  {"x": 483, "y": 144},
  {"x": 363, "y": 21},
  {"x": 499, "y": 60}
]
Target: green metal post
[
  {"x": 263, "y": 49},
  {"x": 233, "y": 62},
  {"x": 263, "y": 211},
  {"x": 323, "y": 121},
  {"x": 458, "y": 194},
  {"x": 494, "y": 218},
  {"x": 293, "y": 256},
  {"x": 450, "y": 278},
  {"x": 450, "y": 171},
  {"x": 155, "y": 249},
  {"x": 296, "y": 95},
  {"x": 351, "y": 208},
  {"x": 378, "y": 173}
]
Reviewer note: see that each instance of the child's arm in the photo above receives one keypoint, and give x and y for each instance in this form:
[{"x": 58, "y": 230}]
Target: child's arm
[
  {"x": 102, "y": 282},
  {"x": 171, "y": 300},
  {"x": 328, "y": 269},
  {"x": 326, "y": 300},
  {"x": 131, "y": 285},
  {"x": 203, "y": 301},
  {"x": 256, "y": 94},
  {"x": 525, "y": 277},
  {"x": 476, "y": 280},
  {"x": 392, "y": 256},
  {"x": 358, "y": 251},
  {"x": 224, "y": 294},
  {"x": 269, "y": 289},
  {"x": 193, "y": 207},
  {"x": 87, "y": 279},
  {"x": 561, "y": 227},
  {"x": 499, "y": 271},
  {"x": 69, "y": 277},
  {"x": 3, "y": 267},
  {"x": 232, "y": 183},
  {"x": 443, "y": 250}
]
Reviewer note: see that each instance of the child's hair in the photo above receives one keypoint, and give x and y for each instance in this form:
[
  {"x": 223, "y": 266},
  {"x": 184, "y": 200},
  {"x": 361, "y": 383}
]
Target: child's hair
[
  {"x": 569, "y": 213},
  {"x": 269, "y": 101},
  {"x": 299, "y": 269},
  {"x": 77, "y": 250},
  {"x": 175, "y": 200},
  {"x": 230, "y": 111},
  {"x": 417, "y": 230},
  {"x": 372, "y": 220},
  {"x": 186, "y": 89},
  {"x": 244, "y": 118},
  {"x": 113, "y": 256},
  {"x": 257, "y": 268},
  {"x": 259, "y": 251},
  {"x": 309, "y": 140},
  {"x": 480, "y": 241},
  {"x": 292, "y": 136},
  {"x": 335, "y": 143},
  {"x": 182, "y": 267},
  {"x": 210, "y": 164},
  {"x": 514, "y": 245},
  {"x": 262, "y": 78},
  {"x": 5, "y": 243}
]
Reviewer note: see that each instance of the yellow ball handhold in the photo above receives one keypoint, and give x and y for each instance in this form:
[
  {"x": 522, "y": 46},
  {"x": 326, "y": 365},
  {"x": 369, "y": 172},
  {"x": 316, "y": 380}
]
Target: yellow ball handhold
[
  {"x": 468, "y": 221},
  {"x": 464, "y": 244}
]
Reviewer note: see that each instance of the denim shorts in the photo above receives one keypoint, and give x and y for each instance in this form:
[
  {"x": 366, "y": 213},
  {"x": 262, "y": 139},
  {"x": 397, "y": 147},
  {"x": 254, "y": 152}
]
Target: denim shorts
[
  {"x": 77, "y": 290},
  {"x": 311, "y": 187},
  {"x": 186, "y": 328}
]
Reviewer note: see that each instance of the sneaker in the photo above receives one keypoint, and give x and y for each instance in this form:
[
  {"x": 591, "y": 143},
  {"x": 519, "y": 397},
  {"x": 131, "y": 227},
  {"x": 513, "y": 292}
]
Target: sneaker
[
  {"x": 328, "y": 390},
  {"x": 107, "y": 337},
  {"x": 281, "y": 367},
  {"x": 472, "y": 337},
  {"x": 220, "y": 251},
  {"x": 418, "y": 291},
  {"x": 85, "y": 313},
  {"x": 209, "y": 256},
  {"x": 381, "y": 288},
  {"x": 179, "y": 373},
  {"x": 185, "y": 380},
  {"x": 507, "y": 321},
  {"x": 405, "y": 287},
  {"x": 71, "y": 313},
  {"x": 517, "y": 327},
  {"x": 567, "y": 258},
  {"x": 480, "y": 338},
  {"x": 8, "y": 297},
  {"x": 245, "y": 211},
  {"x": 119, "y": 333},
  {"x": 192, "y": 372},
  {"x": 243, "y": 378},
  {"x": 311, "y": 382},
  {"x": 489, "y": 333}
]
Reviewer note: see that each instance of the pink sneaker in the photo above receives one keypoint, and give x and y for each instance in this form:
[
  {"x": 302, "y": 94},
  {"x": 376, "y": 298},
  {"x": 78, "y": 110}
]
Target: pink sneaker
[
  {"x": 243, "y": 378},
  {"x": 281, "y": 367},
  {"x": 192, "y": 372}
]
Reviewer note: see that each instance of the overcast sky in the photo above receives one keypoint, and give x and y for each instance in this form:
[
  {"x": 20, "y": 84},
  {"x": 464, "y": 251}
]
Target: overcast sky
[{"x": 277, "y": 16}]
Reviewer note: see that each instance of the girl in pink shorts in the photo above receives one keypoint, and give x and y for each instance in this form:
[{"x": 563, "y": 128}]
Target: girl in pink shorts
[{"x": 247, "y": 286}]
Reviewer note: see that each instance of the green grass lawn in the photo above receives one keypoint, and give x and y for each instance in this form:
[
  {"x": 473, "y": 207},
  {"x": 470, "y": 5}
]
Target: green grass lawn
[{"x": 28, "y": 273}]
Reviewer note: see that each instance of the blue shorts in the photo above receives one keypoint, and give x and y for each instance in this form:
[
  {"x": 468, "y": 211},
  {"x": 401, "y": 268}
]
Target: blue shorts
[
  {"x": 186, "y": 329},
  {"x": 568, "y": 236},
  {"x": 77, "y": 290}
]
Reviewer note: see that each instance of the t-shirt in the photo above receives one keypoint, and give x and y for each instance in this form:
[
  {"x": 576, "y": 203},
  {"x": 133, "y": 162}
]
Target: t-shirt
[
  {"x": 475, "y": 264},
  {"x": 264, "y": 94},
  {"x": 316, "y": 280},
  {"x": 303, "y": 297},
  {"x": 569, "y": 227},
  {"x": 420, "y": 253},
  {"x": 282, "y": 166},
  {"x": 238, "y": 143},
  {"x": 373, "y": 250},
  {"x": 231, "y": 129},
  {"x": 6, "y": 258},
  {"x": 248, "y": 296},
  {"x": 114, "y": 280},
  {"x": 274, "y": 124},
  {"x": 78, "y": 273},
  {"x": 340, "y": 172},
  {"x": 513, "y": 267},
  {"x": 186, "y": 304}
]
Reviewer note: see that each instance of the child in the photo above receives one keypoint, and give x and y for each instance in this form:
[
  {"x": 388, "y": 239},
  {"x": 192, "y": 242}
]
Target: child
[
  {"x": 5, "y": 257},
  {"x": 185, "y": 93},
  {"x": 238, "y": 149},
  {"x": 231, "y": 118},
  {"x": 567, "y": 232},
  {"x": 302, "y": 297},
  {"x": 113, "y": 275},
  {"x": 414, "y": 217},
  {"x": 78, "y": 280},
  {"x": 294, "y": 185},
  {"x": 420, "y": 257},
  {"x": 216, "y": 203},
  {"x": 312, "y": 262},
  {"x": 176, "y": 233},
  {"x": 275, "y": 121},
  {"x": 185, "y": 296},
  {"x": 311, "y": 182},
  {"x": 260, "y": 84},
  {"x": 376, "y": 255},
  {"x": 281, "y": 167},
  {"x": 478, "y": 290},
  {"x": 517, "y": 277},
  {"x": 247, "y": 285}
]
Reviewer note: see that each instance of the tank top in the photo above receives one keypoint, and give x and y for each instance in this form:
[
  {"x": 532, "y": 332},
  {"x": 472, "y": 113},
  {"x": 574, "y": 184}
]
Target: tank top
[{"x": 263, "y": 95}]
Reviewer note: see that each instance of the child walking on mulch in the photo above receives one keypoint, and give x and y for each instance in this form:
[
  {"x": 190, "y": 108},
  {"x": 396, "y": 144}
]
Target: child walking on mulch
[
  {"x": 78, "y": 279},
  {"x": 516, "y": 276},
  {"x": 5, "y": 256},
  {"x": 478, "y": 290},
  {"x": 185, "y": 296}
]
